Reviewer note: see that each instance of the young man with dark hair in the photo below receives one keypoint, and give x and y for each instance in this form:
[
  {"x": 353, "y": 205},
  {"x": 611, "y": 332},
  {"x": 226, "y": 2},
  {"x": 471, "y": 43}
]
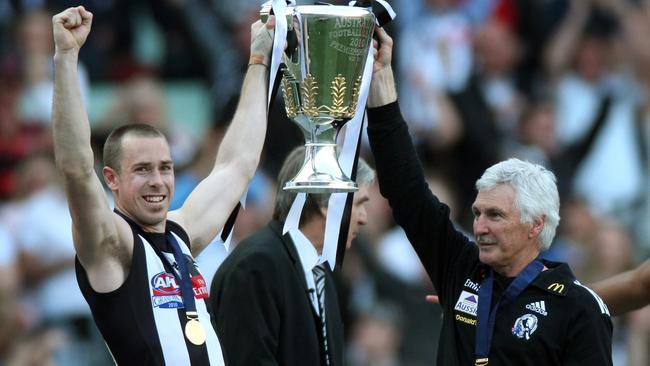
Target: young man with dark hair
[{"x": 135, "y": 264}]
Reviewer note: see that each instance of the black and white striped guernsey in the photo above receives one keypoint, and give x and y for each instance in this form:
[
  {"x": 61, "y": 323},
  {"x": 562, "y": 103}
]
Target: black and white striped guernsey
[{"x": 142, "y": 321}]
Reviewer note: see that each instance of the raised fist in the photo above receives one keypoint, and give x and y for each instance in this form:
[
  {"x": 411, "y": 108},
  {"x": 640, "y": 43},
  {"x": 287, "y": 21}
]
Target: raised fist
[
  {"x": 71, "y": 27},
  {"x": 262, "y": 42}
]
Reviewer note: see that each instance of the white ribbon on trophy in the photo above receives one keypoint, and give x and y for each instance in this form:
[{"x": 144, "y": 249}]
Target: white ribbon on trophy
[{"x": 336, "y": 204}]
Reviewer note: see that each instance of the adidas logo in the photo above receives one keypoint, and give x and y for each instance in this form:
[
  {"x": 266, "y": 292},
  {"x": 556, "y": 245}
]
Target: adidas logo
[{"x": 538, "y": 307}]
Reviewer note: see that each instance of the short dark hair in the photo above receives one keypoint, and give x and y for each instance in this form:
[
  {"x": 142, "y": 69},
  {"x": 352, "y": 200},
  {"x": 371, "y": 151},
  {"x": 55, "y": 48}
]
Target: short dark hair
[
  {"x": 113, "y": 145},
  {"x": 313, "y": 202}
]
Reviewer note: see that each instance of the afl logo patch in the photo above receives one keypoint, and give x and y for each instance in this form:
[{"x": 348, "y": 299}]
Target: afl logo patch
[
  {"x": 525, "y": 326},
  {"x": 166, "y": 292}
]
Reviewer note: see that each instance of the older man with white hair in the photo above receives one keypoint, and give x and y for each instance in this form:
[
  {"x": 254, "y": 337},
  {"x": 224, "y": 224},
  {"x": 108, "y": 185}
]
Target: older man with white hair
[{"x": 503, "y": 305}]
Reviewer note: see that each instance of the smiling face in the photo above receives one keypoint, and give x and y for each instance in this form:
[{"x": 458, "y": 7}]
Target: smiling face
[
  {"x": 504, "y": 243},
  {"x": 144, "y": 185}
]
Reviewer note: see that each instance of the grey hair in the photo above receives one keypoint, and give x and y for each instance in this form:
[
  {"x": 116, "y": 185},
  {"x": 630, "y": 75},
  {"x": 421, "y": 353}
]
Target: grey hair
[
  {"x": 314, "y": 202},
  {"x": 536, "y": 193}
]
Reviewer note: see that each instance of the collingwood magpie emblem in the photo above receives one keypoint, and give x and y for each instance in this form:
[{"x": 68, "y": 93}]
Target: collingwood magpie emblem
[{"x": 525, "y": 326}]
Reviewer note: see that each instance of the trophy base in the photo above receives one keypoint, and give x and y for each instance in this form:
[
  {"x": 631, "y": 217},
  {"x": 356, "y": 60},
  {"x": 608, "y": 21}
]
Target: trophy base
[
  {"x": 320, "y": 172},
  {"x": 321, "y": 187}
]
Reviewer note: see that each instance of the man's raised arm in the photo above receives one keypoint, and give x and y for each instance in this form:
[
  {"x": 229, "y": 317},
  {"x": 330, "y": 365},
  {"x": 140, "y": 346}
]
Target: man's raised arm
[
  {"x": 93, "y": 222},
  {"x": 209, "y": 205},
  {"x": 626, "y": 291}
]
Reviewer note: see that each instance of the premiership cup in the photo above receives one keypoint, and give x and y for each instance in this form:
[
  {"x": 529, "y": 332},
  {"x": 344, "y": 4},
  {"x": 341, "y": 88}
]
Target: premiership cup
[{"x": 321, "y": 80}]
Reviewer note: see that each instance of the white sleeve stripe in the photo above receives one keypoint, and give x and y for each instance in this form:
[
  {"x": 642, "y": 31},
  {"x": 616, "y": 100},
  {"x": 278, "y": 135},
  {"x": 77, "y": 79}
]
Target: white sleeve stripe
[{"x": 601, "y": 303}]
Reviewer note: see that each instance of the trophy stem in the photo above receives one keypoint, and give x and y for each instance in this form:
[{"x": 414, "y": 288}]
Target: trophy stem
[{"x": 321, "y": 172}]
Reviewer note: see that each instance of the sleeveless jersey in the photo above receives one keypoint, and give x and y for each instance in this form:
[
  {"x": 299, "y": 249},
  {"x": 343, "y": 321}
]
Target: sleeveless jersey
[{"x": 142, "y": 321}]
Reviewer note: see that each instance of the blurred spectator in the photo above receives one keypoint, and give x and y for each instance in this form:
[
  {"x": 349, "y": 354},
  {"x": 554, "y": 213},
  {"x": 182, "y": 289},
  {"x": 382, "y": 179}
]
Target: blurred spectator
[
  {"x": 221, "y": 30},
  {"x": 34, "y": 54},
  {"x": 637, "y": 28},
  {"x": 536, "y": 134},
  {"x": 394, "y": 251},
  {"x": 575, "y": 237},
  {"x": 537, "y": 141},
  {"x": 47, "y": 265},
  {"x": 204, "y": 155},
  {"x": 536, "y": 21},
  {"x": 376, "y": 337},
  {"x": 140, "y": 99},
  {"x": 119, "y": 45},
  {"x": 613, "y": 250},
  {"x": 16, "y": 347},
  {"x": 585, "y": 66},
  {"x": 18, "y": 138},
  {"x": 369, "y": 282},
  {"x": 490, "y": 106},
  {"x": 441, "y": 37},
  {"x": 396, "y": 256}
]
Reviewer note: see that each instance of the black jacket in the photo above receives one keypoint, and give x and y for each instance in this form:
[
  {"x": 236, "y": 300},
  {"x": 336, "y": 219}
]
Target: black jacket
[
  {"x": 262, "y": 310},
  {"x": 555, "y": 321}
]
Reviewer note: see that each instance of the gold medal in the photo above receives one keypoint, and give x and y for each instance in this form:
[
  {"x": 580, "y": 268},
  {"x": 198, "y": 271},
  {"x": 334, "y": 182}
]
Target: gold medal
[
  {"x": 481, "y": 362},
  {"x": 194, "y": 332}
]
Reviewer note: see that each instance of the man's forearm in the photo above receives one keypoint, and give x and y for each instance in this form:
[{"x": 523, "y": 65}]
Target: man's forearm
[
  {"x": 245, "y": 137},
  {"x": 71, "y": 128},
  {"x": 626, "y": 291},
  {"x": 382, "y": 89}
]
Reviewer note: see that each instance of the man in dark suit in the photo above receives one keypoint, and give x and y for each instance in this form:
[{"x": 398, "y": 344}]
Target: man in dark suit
[{"x": 267, "y": 296}]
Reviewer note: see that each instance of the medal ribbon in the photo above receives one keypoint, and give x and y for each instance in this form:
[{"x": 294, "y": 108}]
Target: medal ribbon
[
  {"x": 486, "y": 317},
  {"x": 185, "y": 282}
]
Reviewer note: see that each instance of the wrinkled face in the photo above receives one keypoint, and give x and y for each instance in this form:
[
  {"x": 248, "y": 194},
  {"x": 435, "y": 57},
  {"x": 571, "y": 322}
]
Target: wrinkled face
[
  {"x": 504, "y": 243},
  {"x": 359, "y": 215},
  {"x": 144, "y": 186}
]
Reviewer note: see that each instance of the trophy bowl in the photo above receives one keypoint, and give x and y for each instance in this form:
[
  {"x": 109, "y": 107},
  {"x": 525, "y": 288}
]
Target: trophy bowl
[{"x": 322, "y": 69}]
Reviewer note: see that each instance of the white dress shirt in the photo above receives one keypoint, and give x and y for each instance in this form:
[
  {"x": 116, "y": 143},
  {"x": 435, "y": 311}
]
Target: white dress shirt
[{"x": 309, "y": 258}]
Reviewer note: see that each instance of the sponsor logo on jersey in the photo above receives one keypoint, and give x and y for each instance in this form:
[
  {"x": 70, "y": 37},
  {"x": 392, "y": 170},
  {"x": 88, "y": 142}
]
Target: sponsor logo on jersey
[
  {"x": 556, "y": 287},
  {"x": 166, "y": 292},
  {"x": 525, "y": 326},
  {"x": 467, "y": 303},
  {"x": 465, "y": 320},
  {"x": 472, "y": 285},
  {"x": 538, "y": 307},
  {"x": 199, "y": 286}
]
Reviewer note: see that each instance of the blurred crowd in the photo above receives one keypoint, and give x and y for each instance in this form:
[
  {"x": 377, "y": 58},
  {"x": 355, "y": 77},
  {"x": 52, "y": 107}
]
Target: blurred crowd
[{"x": 564, "y": 83}]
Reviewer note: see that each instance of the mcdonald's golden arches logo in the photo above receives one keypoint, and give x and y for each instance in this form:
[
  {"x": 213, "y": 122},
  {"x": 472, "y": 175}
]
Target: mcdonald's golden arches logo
[{"x": 556, "y": 287}]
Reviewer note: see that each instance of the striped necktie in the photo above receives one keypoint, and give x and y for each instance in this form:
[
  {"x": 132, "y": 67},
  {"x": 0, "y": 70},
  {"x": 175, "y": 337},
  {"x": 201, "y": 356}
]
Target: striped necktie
[{"x": 319, "y": 279}]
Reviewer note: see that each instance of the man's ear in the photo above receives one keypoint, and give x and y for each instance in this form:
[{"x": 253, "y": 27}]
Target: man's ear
[
  {"x": 110, "y": 177},
  {"x": 537, "y": 226}
]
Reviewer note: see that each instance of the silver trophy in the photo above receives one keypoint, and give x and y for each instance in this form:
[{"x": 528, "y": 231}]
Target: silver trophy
[{"x": 321, "y": 80}]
